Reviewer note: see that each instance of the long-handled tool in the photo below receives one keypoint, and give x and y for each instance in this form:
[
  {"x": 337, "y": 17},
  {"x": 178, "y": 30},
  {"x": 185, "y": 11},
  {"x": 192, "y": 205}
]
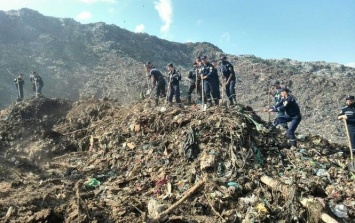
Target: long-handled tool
[
  {"x": 203, "y": 105},
  {"x": 268, "y": 102},
  {"x": 351, "y": 164}
]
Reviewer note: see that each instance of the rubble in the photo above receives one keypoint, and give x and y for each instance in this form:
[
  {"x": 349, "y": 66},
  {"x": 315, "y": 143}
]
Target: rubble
[{"x": 98, "y": 161}]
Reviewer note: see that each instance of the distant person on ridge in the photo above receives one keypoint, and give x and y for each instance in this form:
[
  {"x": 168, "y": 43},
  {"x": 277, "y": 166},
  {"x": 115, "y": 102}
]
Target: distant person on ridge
[
  {"x": 37, "y": 84},
  {"x": 348, "y": 113},
  {"x": 157, "y": 81},
  {"x": 174, "y": 79},
  {"x": 229, "y": 77},
  {"x": 19, "y": 82},
  {"x": 292, "y": 114}
]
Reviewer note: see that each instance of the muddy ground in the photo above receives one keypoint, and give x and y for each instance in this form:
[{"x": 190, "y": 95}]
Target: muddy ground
[{"x": 98, "y": 161}]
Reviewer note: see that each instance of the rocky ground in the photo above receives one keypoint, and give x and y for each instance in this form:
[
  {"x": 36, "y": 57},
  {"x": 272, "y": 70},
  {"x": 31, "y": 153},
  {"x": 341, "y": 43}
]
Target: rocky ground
[{"x": 97, "y": 161}]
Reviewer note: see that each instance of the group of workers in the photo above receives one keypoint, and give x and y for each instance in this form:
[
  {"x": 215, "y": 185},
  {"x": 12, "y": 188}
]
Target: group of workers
[
  {"x": 204, "y": 79},
  {"x": 37, "y": 85}
]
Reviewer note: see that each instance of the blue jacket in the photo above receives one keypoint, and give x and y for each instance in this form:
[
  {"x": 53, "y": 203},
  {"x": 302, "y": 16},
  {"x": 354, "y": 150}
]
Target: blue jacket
[
  {"x": 350, "y": 112},
  {"x": 289, "y": 104},
  {"x": 174, "y": 77},
  {"x": 227, "y": 69},
  {"x": 210, "y": 72}
]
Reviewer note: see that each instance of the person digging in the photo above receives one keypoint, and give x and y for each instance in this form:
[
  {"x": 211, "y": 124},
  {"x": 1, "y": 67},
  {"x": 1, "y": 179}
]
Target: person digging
[{"x": 292, "y": 115}]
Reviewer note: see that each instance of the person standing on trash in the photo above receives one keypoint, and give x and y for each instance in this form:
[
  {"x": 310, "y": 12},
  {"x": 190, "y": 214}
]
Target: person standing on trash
[
  {"x": 348, "y": 113},
  {"x": 292, "y": 115},
  {"x": 207, "y": 75},
  {"x": 157, "y": 81},
  {"x": 174, "y": 79},
  {"x": 192, "y": 80},
  {"x": 19, "y": 82},
  {"x": 229, "y": 77},
  {"x": 37, "y": 83},
  {"x": 277, "y": 97},
  {"x": 198, "y": 80},
  {"x": 216, "y": 83}
]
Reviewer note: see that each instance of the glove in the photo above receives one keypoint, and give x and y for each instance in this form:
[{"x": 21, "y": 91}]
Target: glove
[{"x": 342, "y": 117}]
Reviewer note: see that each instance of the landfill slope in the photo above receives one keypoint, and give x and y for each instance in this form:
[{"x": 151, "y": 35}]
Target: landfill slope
[{"x": 99, "y": 161}]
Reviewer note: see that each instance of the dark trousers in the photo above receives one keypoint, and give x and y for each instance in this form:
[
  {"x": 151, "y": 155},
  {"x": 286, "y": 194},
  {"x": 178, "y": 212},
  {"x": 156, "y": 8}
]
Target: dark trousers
[
  {"x": 280, "y": 114},
  {"x": 216, "y": 94},
  {"x": 207, "y": 88},
  {"x": 294, "y": 122},
  {"x": 192, "y": 87},
  {"x": 174, "y": 90},
  {"x": 159, "y": 89},
  {"x": 352, "y": 136},
  {"x": 230, "y": 90}
]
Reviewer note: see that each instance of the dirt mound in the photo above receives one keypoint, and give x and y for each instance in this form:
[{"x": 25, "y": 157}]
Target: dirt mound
[{"x": 110, "y": 163}]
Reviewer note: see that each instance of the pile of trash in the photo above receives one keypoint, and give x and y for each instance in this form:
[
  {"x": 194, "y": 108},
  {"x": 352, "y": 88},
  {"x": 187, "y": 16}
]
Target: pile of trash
[{"x": 98, "y": 161}]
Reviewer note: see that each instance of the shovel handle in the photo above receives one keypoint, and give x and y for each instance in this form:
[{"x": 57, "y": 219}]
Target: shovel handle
[{"x": 348, "y": 136}]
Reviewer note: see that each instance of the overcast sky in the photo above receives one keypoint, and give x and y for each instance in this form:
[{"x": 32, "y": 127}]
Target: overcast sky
[{"x": 304, "y": 30}]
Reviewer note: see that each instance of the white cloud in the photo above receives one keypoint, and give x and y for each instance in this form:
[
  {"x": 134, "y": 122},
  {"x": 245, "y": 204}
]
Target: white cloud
[
  {"x": 83, "y": 16},
  {"x": 165, "y": 11},
  {"x": 94, "y": 1},
  {"x": 139, "y": 28},
  {"x": 352, "y": 64}
]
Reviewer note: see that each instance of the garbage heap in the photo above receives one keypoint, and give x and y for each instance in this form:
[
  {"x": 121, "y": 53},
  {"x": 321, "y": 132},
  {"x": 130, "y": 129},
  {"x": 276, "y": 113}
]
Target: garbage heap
[{"x": 98, "y": 161}]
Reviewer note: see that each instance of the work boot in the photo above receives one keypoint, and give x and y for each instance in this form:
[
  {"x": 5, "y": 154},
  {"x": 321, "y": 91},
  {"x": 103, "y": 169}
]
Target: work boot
[
  {"x": 216, "y": 102},
  {"x": 231, "y": 102},
  {"x": 156, "y": 102},
  {"x": 210, "y": 104},
  {"x": 180, "y": 105}
]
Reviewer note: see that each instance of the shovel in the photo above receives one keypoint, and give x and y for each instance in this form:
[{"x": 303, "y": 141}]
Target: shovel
[
  {"x": 203, "y": 105},
  {"x": 351, "y": 164}
]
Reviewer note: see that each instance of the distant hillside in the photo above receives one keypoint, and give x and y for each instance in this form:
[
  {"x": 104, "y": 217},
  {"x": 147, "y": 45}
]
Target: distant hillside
[{"x": 77, "y": 60}]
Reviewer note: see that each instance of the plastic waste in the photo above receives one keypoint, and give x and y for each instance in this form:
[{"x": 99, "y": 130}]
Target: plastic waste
[
  {"x": 93, "y": 183},
  {"x": 340, "y": 210}
]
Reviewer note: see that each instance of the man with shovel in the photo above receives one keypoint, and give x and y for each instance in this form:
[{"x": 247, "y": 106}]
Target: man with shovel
[
  {"x": 347, "y": 113},
  {"x": 229, "y": 77},
  {"x": 37, "y": 84}
]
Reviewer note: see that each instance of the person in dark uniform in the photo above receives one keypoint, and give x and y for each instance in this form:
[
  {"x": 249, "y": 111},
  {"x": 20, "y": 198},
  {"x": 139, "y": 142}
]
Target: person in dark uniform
[
  {"x": 198, "y": 79},
  {"x": 348, "y": 113},
  {"x": 292, "y": 115},
  {"x": 19, "y": 82},
  {"x": 37, "y": 83},
  {"x": 174, "y": 79},
  {"x": 192, "y": 80},
  {"x": 216, "y": 83},
  {"x": 229, "y": 77},
  {"x": 277, "y": 97},
  {"x": 157, "y": 81},
  {"x": 208, "y": 73}
]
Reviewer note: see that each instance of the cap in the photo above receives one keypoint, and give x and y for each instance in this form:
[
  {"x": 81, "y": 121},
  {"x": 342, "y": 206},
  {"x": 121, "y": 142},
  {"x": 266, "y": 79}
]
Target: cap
[
  {"x": 223, "y": 58},
  {"x": 275, "y": 83},
  {"x": 213, "y": 61},
  {"x": 195, "y": 63},
  {"x": 170, "y": 65},
  {"x": 350, "y": 97},
  {"x": 285, "y": 89},
  {"x": 204, "y": 58}
]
